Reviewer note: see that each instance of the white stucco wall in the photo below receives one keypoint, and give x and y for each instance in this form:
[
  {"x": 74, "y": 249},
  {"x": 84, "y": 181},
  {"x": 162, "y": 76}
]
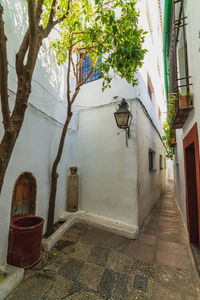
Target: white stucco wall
[
  {"x": 150, "y": 184},
  {"x": 111, "y": 175},
  {"x": 107, "y": 168},
  {"x": 170, "y": 169},
  {"x": 192, "y": 9},
  {"x": 34, "y": 152},
  {"x": 37, "y": 143},
  {"x": 179, "y": 174},
  {"x": 91, "y": 94}
]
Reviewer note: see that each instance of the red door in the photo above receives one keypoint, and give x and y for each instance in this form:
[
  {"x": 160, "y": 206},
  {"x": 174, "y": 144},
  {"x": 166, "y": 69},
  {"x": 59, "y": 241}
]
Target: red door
[{"x": 192, "y": 183}]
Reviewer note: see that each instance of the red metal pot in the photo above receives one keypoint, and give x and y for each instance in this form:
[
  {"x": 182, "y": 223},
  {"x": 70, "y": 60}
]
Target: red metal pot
[{"x": 24, "y": 245}]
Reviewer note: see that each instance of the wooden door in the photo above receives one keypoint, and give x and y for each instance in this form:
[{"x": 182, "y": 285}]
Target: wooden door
[
  {"x": 24, "y": 196},
  {"x": 192, "y": 183}
]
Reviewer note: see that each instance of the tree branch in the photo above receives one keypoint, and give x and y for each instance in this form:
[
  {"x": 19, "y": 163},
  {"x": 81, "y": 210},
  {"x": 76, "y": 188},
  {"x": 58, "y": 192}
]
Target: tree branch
[
  {"x": 80, "y": 84},
  {"x": 74, "y": 70},
  {"x": 52, "y": 23},
  {"x": 39, "y": 11},
  {"x": 68, "y": 75},
  {"x": 54, "y": 8},
  {"x": 21, "y": 53},
  {"x": 32, "y": 19},
  {"x": 4, "y": 74}
]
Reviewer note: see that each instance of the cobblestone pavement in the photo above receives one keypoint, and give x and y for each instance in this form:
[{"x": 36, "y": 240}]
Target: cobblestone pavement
[{"x": 91, "y": 264}]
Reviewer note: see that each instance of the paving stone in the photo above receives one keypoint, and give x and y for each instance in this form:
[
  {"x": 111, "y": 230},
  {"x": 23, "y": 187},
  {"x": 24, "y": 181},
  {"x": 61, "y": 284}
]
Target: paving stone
[
  {"x": 71, "y": 268},
  {"x": 95, "y": 236},
  {"x": 76, "y": 288},
  {"x": 31, "y": 288},
  {"x": 168, "y": 224},
  {"x": 140, "y": 251},
  {"x": 90, "y": 275},
  {"x": 171, "y": 219},
  {"x": 91, "y": 264},
  {"x": 179, "y": 280},
  {"x": 107, "y": 283},
  {"x": 99, "y": 256},
  {"x": 60, "y": 245},
  {"x": 60, "y": 289},
  {"x": 172, "y": 260},
  {"x": 82, "y": 227},
  {"x": 117, "y": 242},
  {"x": 120, "y": 290},
  {"x": 163, "y": 293},
  {"x": 84, "y": 296},
  {"x": 118, "y": 262},
  {"x": 79, "y": 250},
  {"x": 173, "y": 235},
  {"x": 147, "y": 269},
  {"x": 148, "y": 239},
  {"x": 73, "y": 234},
  {"x": 172, "y": 247}
]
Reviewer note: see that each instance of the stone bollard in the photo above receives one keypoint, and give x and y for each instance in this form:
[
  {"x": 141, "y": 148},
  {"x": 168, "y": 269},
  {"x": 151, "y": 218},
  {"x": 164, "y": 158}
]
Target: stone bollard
[{"x": 72, "y": 194}]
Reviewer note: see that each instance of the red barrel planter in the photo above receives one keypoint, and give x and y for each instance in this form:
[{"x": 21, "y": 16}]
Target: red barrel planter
[{"x": 25, "y": 238}]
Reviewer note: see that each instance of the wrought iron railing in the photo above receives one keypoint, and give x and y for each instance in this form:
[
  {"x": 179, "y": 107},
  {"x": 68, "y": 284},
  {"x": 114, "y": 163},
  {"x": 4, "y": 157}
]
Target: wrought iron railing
[{"x": 179, "y": 78}]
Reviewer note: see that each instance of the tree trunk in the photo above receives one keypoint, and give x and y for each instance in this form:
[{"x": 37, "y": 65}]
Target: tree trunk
[
  {"x": 10, "y": 136},
  {"x": 54, "y": 175}
]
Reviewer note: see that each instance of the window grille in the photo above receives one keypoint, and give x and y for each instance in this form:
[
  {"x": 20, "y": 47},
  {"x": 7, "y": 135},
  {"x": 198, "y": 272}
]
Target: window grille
[{"x": 85, "y": 70}]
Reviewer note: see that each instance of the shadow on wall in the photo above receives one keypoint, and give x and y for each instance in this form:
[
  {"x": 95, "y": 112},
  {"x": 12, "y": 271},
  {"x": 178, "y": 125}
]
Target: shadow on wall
[
  {"x": 16, "y": 22},
  {"x": 150, "y": 104}
]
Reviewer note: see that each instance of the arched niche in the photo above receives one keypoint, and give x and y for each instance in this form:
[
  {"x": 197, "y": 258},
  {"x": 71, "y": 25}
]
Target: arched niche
[{"x": 24, "y": 195}]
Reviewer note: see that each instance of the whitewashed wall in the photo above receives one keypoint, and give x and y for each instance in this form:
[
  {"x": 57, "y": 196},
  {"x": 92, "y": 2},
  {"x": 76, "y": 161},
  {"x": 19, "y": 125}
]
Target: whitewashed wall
[
  {"x": 170, "y": 169},
  {"x": 37, "y": 143},
  {"x": 192, "y": 9},
  {"x": 34, "y": 152},
  {"x": 112, "y": 175},
  {"x": 151, "y": 185},
  {"x": 91, "y": 93},
  {"x": 179, "y": 174},
  {"x": 107, "y": 168}
]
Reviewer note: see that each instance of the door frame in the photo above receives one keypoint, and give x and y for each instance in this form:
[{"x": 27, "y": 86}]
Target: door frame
[
  {"x": 190, "y": 138},
  {"x": 33, "y": 204}
]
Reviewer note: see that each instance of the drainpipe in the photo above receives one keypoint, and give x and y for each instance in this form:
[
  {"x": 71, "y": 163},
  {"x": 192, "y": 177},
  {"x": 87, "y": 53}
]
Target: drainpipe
[{"x": 166, "y": 35}]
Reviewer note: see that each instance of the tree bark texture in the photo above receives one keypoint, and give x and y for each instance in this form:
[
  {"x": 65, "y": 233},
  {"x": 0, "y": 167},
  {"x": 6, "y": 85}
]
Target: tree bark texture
[
  {"x": 54, "y": 175},
  {"x": 10, "y": 135},
  {"x": 29, "y": 49}
]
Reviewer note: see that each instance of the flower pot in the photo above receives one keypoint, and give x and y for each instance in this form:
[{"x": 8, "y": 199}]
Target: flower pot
[
  {"x": 173, "y": 140},
  {"x": 185, "y": 101},
  {"x": 24, "y": 245}
]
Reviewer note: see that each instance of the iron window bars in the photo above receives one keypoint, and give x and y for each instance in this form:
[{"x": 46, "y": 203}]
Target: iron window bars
[{"x": 85, "y": 70}]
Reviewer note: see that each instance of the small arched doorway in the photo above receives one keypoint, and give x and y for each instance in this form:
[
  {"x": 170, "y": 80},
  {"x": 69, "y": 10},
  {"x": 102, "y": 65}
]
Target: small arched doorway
[{"x": 24, "y": 196}]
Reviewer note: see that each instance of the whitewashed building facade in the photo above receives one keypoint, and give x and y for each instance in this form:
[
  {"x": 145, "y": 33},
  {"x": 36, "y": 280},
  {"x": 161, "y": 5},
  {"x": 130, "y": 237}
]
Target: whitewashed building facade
[{"x": 116, "y": 182}]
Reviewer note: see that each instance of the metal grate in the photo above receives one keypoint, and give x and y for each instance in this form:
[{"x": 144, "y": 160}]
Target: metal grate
[{"x": 140, "y": 283}]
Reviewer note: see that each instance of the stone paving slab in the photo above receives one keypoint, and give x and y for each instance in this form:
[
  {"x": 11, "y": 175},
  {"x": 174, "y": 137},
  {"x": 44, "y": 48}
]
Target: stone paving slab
[{"x": 92, "y": 264}]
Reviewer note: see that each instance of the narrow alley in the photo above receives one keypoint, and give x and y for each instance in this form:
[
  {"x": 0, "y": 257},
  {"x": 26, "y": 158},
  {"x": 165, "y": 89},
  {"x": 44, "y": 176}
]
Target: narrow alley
[{"x": 89, "y": 263}]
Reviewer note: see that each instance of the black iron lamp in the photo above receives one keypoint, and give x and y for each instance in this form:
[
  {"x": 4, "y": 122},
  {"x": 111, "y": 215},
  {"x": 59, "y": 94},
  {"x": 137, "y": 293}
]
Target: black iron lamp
[{"x": 123, "y": 118}]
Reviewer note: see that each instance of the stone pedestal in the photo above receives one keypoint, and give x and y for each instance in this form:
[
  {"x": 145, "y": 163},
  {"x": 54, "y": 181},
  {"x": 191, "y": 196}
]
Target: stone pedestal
[{"x": 72, "y": 194}]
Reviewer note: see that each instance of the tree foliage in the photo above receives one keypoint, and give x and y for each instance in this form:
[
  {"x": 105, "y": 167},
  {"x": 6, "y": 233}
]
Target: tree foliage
[
  {"x": 106, "y": 29},
  {"x": 168, "y": 134},
  {"x": 99, "y": 28}
]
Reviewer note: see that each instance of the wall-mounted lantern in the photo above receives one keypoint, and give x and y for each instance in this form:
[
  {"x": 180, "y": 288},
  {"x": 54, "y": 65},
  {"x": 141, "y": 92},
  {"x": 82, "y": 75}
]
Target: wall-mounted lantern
[{"x": 123, "y": 118}]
